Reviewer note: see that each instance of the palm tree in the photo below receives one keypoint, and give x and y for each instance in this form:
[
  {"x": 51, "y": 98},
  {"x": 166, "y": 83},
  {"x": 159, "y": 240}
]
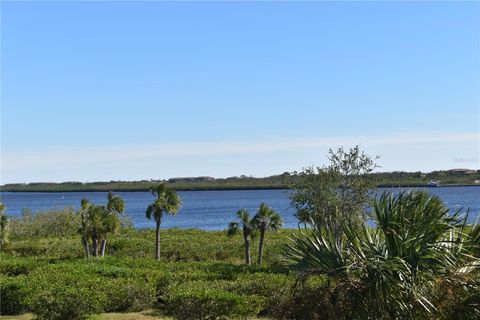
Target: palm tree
[
  {"x": 265, "y": 219},
  {"x": 3, "y": 226},
  {"x": 84, "y": 227},
  {"x": 95, "y": 231},
  {"x": 115, "y": 203},
  {"x": 248, "y": 229},
  {"x": 115, "y": 206},
  {"x": 167, "y": 201}
]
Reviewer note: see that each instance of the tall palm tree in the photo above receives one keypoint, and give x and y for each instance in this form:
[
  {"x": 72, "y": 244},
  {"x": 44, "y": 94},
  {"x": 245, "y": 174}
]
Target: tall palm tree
[
  {"x": 166, "y": 201},
  {"x": 115, "y": 206},
  {"x": 266, "y": 219},
  {"x": 3, "y": 226},
  {"x": 246, "y": 225}
]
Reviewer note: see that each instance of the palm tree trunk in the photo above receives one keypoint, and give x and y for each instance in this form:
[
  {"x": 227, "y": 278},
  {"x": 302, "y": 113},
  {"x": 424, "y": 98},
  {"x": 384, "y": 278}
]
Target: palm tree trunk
[
  {"x": 85, "y": 247},
  {"x": 95, "y": 247},
  {"x": 260, "y": 246},
  {"x": 157, "y": 242},
  {"x": 247, "y": 249},
  {"x": 102, "y": 247}
]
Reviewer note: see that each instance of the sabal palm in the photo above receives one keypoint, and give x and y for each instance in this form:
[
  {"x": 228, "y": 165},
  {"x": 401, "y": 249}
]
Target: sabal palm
[
  {"x": 110, "y": 220},
  {"x": 115, "y": 203},
  {"x": 246, "y": 225},
  {"x": 85, "y": 225},
  {"x": 3, "y": 226},
  {"x": 167, "y": 201},
  {"x": 390, "y": 269},
  {"x": 265, "y": 219}
]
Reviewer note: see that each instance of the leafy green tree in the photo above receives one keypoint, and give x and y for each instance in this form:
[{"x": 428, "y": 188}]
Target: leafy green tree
[
  {"x": 3, "y": 226},
  {"x": 247, "y": 226},
  {"x": 265, "y": 219},
  {"x": 166, "y": 201},
  {"x": 391, "y": 271},
  {"x": 337, "y": 193}
]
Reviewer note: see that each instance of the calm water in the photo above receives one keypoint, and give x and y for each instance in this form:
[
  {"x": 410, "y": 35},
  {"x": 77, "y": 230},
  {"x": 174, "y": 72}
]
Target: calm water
[{"x": 209, "y": 210}]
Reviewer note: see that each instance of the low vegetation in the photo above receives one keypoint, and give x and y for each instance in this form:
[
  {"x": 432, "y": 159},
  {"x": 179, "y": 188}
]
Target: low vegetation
[
  {"x": 354, "y": 256},
  {"x": 50, "y": 277}
]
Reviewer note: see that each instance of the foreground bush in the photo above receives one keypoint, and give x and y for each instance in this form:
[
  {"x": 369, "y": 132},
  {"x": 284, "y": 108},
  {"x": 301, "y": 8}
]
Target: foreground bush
[
  {"x": 128, "y": 295},
  {"x": 199, "y": 300},
  {"x": 12, "y": 295},
  {"x": 393, "y": 271},
  {"x": 56, "y": 295}
]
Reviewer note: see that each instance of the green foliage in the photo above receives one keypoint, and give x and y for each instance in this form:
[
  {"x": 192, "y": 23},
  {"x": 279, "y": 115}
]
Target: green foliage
[
  {"x": 63, "y": 295},
  {"x": 265, "y": 219},
  {"x": 4, "y": 226},
  {"x": 272, "y": 287},
  {"x": 128, "y": 295},
  {"x": 336, "y": 193},
  {"x": 55, "y": 283},
  {"x": 50, "y": 277},
  {"x": 98, "y": 222},
  {"x": 201, "y": 300},
  {"x": 12, "y": 295},
  {"x": 391, "y": 271},
  {"x": 51, "y": 223},
  {"x": 247, "y": 226},
  {"x": 166, "y": 201},
  {"x": 281, "y": 181}
]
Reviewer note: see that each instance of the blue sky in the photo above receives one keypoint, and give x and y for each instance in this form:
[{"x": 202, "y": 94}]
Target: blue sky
[{"x": 123, "y": 91}]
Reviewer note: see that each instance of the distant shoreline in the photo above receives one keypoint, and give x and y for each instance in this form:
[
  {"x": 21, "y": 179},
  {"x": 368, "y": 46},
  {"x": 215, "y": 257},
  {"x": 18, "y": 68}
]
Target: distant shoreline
[
  {"x": 286, "y": 180},
  {"x": 225, "y": 188}
]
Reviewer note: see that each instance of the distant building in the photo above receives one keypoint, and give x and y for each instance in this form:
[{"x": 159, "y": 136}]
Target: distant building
[
  {"x": 463, "y": 171},
  {"x": 190, "y": 179}
]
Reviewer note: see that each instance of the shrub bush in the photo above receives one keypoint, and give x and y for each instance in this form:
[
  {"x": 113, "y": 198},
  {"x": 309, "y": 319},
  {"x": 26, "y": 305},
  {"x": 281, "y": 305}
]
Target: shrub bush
[
  {"x": 273, "y": 287},
  {"x": 12, "y": 266},
  {"x": 12, "y": 295},
  {"x": 55, "y": 295},
  {"x": 127, "y": 295},
  {"x": 200, "y": 300},
  {"x": 51, "y": 223}
]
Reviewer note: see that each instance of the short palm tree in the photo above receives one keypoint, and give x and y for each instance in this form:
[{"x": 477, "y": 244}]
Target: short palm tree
[
  {"x": 115, "y": 204},
  {"x": 110, "y": 221},
  {"x": 246, "y": 225},
  {"x": 3, "y": 226},
  {"x": 166, "y": 201},
  {"x": 265, "y": 219}
]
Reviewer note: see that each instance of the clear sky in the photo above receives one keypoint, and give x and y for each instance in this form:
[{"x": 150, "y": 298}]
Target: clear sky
[{"x": 124, "y": 91}]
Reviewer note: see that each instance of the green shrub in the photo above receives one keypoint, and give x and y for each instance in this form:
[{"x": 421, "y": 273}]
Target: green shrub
[
  {"x": 200, "y": 300},
  {"x": 12, "y": 266},
  {"x": 51, "y": 223},
  {"x": 12, "y": 295},
  {"x": 55, "y": 295},
  {"x": 127, "y": 295},
  {"x": 273, "y": 287}
]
